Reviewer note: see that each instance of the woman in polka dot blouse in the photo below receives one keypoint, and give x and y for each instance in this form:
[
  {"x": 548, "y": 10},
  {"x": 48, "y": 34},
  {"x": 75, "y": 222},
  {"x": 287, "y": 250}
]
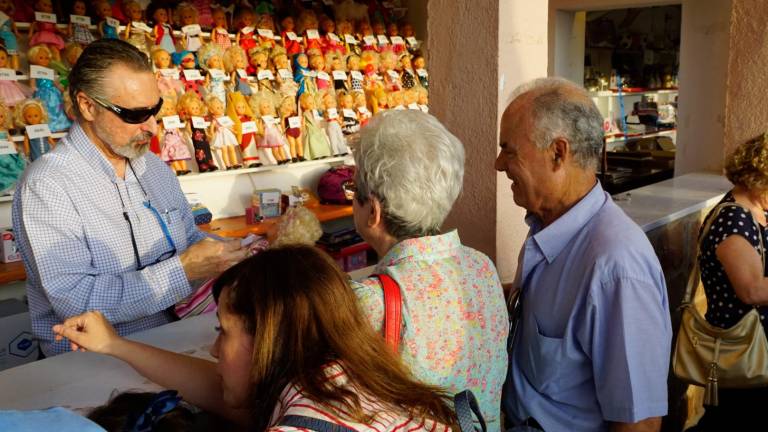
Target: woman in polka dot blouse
[{"x": 733, "y": 275}]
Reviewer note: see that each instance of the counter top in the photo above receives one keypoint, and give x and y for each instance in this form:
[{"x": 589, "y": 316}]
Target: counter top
[{"x": 661, "y": 203}]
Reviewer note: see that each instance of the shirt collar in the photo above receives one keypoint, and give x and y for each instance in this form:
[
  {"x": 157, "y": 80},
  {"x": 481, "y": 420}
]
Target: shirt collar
[
  {"x": 416, "y": 248},
  {"x": 94, "y": 157},
  {"x": 552, "y": 239}
]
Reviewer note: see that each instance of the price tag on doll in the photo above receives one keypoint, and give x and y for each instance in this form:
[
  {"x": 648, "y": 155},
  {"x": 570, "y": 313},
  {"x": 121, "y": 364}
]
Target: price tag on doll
[
  {"x": 36, "y": 71},
  {"x": 310, "y": 74},
  {"x": 45, "y": 17},
  {"x": 393, "y": 74},
  {"x": 339, "y": 75},
  {"x": 369, "y": 40},
  {"x": 323, "y": 76},
  {"x": 268, "y": 119},
  {"x": 225, "y": 121},
  {"x": 266, "y": 33},
  {"x": 217, "y": 73},
  {"x": 348, "y": 38},
  {"x": 7, "y": 74},
  {"x": 246, "y": 30},
  {"x": 79, "y": 19},
  {"x": 382, "y": 39},
  {"x": 192, "y": 29},
  {"x": 413, "y": 106},
  {"x": 222, "y": 31},
  {"x": 412, "y": 41},
  {"x": 7, "y": 147},
  {"x": 285, "y": 74},
  {"x": 362, "y": 110},
  {"x": 424, "y": 109},
  {"x": 332, "y": 113},
  {"x": 313, "y": 34},
  {"x": 291, "y": 36},
  {"x": 38, "y": 131},
  {"x": 113, "y": 22},
  {"x": 421, "y": 72},
  {"x": 265, "y": 75},
  {"x": 172, "y": 122},
  {"x": 170, "y": 73},
  {"x": 333, "y": 37},
  {"x": 199, "y": 122},
  {"x": 348, "y": 113},
  {"x": 192, "y": 75},
  {"x": 356, "y": 75},
  {"x": 397, "y": 40},
  {"x": 141, "y": 26},
  {"x": 249, "y": 127},
  {"x": 316, "y": 115},
  {"x": 294, "y": 122},
  {"x": 242, "y": 73},
  {"x": 328, "y": 2}
]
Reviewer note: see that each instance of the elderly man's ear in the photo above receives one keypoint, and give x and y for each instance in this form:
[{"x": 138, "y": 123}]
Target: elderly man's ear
[
  {"x": 86, "y": 106},
  {"x": 560, "y": 148},
  {"x": 376, "y": 215}
]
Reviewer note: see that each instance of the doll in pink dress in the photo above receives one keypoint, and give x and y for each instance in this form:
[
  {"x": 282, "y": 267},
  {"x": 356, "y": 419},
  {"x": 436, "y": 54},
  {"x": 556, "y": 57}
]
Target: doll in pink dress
[
  {"x": 46, "y": 33},
  {"x": 322, "y": 78},
  {"x": 220, "y": 32},
  {"x": 168, "y": 81},
  {"x": 11, "y": 92},
  {"x": 173, "y": 149},
  {"x": 270, "y": 139}
]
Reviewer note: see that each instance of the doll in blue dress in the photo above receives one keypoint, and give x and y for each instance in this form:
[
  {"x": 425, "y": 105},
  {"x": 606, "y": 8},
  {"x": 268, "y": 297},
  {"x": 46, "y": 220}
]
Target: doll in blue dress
[
  {"x": 9, "y": 33},
  {"x": 11, "y": 165},
  {"x": 106, "y": 30},
  {"x": 32, "y": 112},
  {"x": 48, "y": 91}
]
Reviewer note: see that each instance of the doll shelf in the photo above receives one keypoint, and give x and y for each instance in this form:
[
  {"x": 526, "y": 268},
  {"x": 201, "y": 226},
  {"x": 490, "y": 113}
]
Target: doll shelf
[{"x": 225, "y": 173}]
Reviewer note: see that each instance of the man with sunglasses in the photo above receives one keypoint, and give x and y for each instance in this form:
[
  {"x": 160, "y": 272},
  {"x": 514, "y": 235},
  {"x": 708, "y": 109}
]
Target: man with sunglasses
[{"x": 103, "y": 224}]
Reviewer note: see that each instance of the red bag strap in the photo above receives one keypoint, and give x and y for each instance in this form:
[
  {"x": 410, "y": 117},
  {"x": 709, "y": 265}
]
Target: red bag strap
[{"x": 393, "y": 311}]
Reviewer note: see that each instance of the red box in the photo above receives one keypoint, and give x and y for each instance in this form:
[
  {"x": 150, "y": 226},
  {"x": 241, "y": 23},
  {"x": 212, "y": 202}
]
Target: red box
[{"x": 352, "y": 257}]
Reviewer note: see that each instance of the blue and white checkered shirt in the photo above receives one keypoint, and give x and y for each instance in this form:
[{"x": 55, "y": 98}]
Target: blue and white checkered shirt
[{"x": 76, "y": 244}]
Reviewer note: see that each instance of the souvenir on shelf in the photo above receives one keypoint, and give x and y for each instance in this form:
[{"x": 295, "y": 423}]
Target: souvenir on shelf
[
  {"x": 291, "y": 124},
  {"x": 173, "y": 149},
  {"x": 317, "y": 67},
  {"x": 422, "y": 99},
  {"x": 350, "y": 121},
  {"x": 308, "y": 27},
  {"x": 162, "y": 32},
  {"x": 387, "y": 69},
  {"x": 259, "y": 67},
  {"x": 42, "y": 81},
  {"x": 270, "y": 141},
  {"x": 235, "y": 64},
  {"x": 11, "y": 91},
  {"x": 210, "y": 56},
  {"x": 31, "y": 116},
  {"x": 245, "y": 20},
  {"x": 398, "y": 43},
  {"x": 333, "y": 125},
  {"x": 71, "y": 53},
  {"x": 43, "y": 30},
  {"x": 11, "y": 162},
  {"x": 108, "y": 26},
  {"x": 8, "y": 32},
  {"x": 347, "y": 34},
  {"x": 331, "y": 42},
  {"x": 289, "y": 36},
  {"x": 302, "y": 75},
  {"x": 190, "y": 76},
  {"x": 355, "y": 76},
  {"x": 407, "y": 75},
  {"x": 220, "y": 32},
  {"x": 137, "y": 32},
  {"x": 338, "y": 74},
  {"x": 420, "y": 65},
  {"x": 366, "y": 38},
  {"x": 79, "y": 24},
  {"x": 409, "y": 35},
  {"x": 190, "y": 27},
  {"x": 281, "y": 68},
  {"x": 220, "y": 133},
  {"x": 192, "y": 111},
  {"x": 361, "y": 105},
  {"x": 265, "y": 30},
  {"x": 244, "y": 127},
  {"x": 316, "y": 144},
  {"x": 168, "y": 77}
]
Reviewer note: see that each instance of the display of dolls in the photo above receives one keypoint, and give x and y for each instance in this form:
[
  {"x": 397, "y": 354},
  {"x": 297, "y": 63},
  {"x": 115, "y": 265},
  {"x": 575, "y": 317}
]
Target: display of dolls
[
  {"x": 346, "y": 32},
  {"x": 191, "y": 79},
  {"x": 361, "y": 105},
  {"x": 173, "y": 149},
  {"x": 71, "y": 53},
  {"x": 162, "y": 32},
  {"x": 409, "y": 34},
  {"x": 80, "y": 32},
  {"x": 168, "y": 78},
  {"x": 220, "y": 133},
  {"x": 190, "y": 27},
  {"x": 11, "y": 91},
  {"x": 395, "y": 100},
  {"x": 289, "y": 37},
  {"x": 210, "y": 56},
  {"x": 338, "y": 74},
  {"x": 235, "y": 63},
  {"x": 265, "y": 26},
  {"x": 9, "y": 33},
  {"x": 291, "y": 124},
  {"x": 350, "y": 122},
  {"x": 192, "y": 111},
  {"x": 270, "y": 141},
  {"x": 302, "y": 76},
  {"x": 241, "y": 114},
  {"x": 108, "y": 26},
  {"x": 46, "y": 33},
  {"x": 355, "y": 76},
  {"x": 281, "y": 68},
  {"x": 315, "y": 141},
  {"x": 332, "y": 125},
  {"x": 366, "y": 37},
  {"x": 379, "y": 100},
  {"x": 387, "y": 68},
  {"x": 407, "y": 75},
  {"x": 420, "y": 66},
  {"x": 398, "y": 44},
  {"x": 322, "y": 78},
  {"x": 330, "y": 41},
  {"x": 12, "y": 164},
  {"x": 422, "y": 99},
  {"x": 137, "y": 32},
  {"x": 245, "y": 31},
  {"x": 259, "y": 67},
  {"x": 48, "y": 90},
  {"x": 220, "y": 32},
  {"x": 308, "y": 26},
  {"x": 28, "y": 113}
]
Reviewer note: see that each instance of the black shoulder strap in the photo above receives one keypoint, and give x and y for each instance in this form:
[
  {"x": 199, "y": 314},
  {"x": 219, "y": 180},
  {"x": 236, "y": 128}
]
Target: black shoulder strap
[
  {"x": 313, "y": 424},
  {"x": 467, "y": 409}
]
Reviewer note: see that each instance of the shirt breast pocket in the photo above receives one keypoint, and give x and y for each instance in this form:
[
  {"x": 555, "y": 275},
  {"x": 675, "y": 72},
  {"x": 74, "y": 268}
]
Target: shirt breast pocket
[
  {"x": 176, "y": 228},
  {"x": 555, "y": 368}
]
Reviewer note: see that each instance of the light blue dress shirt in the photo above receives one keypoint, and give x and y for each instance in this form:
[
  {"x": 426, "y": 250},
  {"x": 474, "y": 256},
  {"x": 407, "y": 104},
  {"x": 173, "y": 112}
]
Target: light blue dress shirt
[
  {"x": 593, "y": 343},
  {"x": 52, "y": 419},
  {"x": 76, "y": 244}
]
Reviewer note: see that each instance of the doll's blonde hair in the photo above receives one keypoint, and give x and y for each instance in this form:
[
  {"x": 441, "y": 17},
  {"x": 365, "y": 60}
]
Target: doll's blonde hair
[
  {"x": 287, "y": 100},
  {"x": 278, "y": 51},
  {"x": 37, "y": 48},
  {"x": 185, "y": 100},
  {"x": 232, "y": 99},
  {"x": 257, "y": 98},
  {"x": 155, "y": 51},
  {"x": 183, "y": 6},
  {"x": 206, "y": 52},
  {"x": 18, "y": 113},
  {"x": 298, "y": 225},
  {"x": 230, "y": 55},
  {"x": 8, "y": 115}
]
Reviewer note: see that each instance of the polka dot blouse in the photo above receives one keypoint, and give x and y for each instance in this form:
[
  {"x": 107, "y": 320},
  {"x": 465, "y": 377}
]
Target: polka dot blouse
[{"x": 724, "y": 309}]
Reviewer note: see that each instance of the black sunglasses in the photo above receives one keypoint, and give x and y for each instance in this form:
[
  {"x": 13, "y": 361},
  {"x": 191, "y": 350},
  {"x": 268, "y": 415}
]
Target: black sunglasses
[{"x": 131, "y": 115}]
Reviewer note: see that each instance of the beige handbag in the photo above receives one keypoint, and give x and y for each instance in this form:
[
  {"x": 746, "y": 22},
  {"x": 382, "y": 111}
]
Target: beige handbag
[{"x": 710, "y": 356}]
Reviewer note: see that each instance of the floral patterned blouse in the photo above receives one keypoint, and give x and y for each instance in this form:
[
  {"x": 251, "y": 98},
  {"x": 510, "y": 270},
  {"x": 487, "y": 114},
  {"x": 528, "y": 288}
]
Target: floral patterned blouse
[{"x": 455, "y": 321}]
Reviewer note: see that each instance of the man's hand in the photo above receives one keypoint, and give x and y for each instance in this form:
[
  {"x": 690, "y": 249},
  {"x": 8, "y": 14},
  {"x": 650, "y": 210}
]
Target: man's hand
[
  {"x": 88, "y": 332},
  {"x": 208, "y": 258}
]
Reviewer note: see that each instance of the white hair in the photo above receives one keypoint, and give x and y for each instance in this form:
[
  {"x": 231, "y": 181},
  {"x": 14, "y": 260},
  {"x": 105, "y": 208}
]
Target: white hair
[
  {"x": 560, "y": 108},
  {"x": 414, "y": 166}
]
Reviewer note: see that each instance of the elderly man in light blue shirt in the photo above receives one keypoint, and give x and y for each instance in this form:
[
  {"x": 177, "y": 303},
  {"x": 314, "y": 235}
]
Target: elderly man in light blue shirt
[{"x": 591, "y": 334}]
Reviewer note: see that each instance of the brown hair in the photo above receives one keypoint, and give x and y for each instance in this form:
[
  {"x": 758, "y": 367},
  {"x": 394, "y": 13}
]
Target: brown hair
[
  {"x": 747, "y": 166},
  {"x": 126, "y": 407},
  {"x": 304, "y": 315}
]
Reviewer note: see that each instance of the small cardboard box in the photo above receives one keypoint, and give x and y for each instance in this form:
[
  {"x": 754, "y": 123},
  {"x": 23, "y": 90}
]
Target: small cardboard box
[
  {"x": 266, "y": 202},
  {"x": 17, "y": 344},
  {"x": 8, "y": 251}
]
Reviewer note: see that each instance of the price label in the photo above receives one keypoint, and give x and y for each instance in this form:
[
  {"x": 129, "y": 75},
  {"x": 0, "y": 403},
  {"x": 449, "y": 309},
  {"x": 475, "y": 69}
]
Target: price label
[
  {"x": 199, "y": 122},
  {"x": 268, "y": 119},
  {"x": 225, "y": 121},
  {"x": 310, "y": 74},
  {"x": 192, "y": 75},
  {"x": 249, "y": 127},
  {"x": 313, "y": 34},
  {"x": 424, "y": 109},
  {"x": 36, "y": 71},
  {"x": 113, "y": 22},
  {"x": 7, "y": 147},
  {"x": 339, "y": 75},
  {"x": 323, "y": 76},
  {"x": 348, "y": 113},
  {"x": 79, "y": 19},
  {"x": 172, "y": 122},
  {"x": 412, "y": 41},
  {"x": 7, "y": 74},
  {"x": 328, "y": 2},
  {"x": 266, "y": 74},
  {"x": 266, "y": 33},
  {"x": 362, "y": 110},
  {"x": 369, "y": 40},
  {"x": 333, "y": 37},
  {"x": 285, "y": 74},
  {"x": 291, "y": 36},
  {"x": 170, "y": 73},
  {"x": 141, "y": 26},
  {"x": 294, "y": 122},
  {"x": 393, "y": 74},
  {"x": 316, "y": 115},
  {"x": 382, "y": 39},
  {"x": 421, "y": 72},
  {"x": 332, "y": 113},
  {"x": 246, "y": 30},
  {"x": 242, "y": 73},
  {"x": 356, "y": 75},
  {"x": 397, "y": 40},
  {"x": 45, "y": 17},
  {"x": 192, "y": 29},
  {"x": 222, "y": 31},
  {"x": 38, "y": 131},
  {"x": 217, "y": 73},
  {"x": 413, "y": 106}
]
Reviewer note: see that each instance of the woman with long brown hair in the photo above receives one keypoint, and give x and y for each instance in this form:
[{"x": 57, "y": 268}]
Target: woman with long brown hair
[{"x": 293, "y": 344}]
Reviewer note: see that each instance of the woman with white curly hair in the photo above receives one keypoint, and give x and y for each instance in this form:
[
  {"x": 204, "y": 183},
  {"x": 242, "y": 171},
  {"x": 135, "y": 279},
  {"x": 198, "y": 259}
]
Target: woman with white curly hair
[{"x": 409, "y": 174}]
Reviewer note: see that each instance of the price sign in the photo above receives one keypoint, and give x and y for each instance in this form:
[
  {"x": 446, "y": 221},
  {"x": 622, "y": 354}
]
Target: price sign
[
  {"x": 424, "y": 109},
  {"x": 356, "y": 75},
  {"x": 397, "y": 40},
  {"x": 7, "y": 74},
  {"x": 222, "y": 31},
  {"x": 249, "y": 127},
  {"x": 170, "y": 73},
  {"x": 348, "y": 113},
  {"x": 217, "y": 73},
  {"x": 412, "y": 41},
  {"x": 266, "y": 33},
  {"x": 7, "y": 147},
  {"x": 328, "y": 2},
  {"x": 266, "y": 74},
  {"x": 113, "y": 22},
  {"x": 268, "y": 119},
  {"x": 199, "y": 122},
  {"x": 291, "y": 36},
  {"x": 382, "y": 39},
  {"x": 285, "y": 74},
  {"x": 369, "y": 40},
  {"x": 323, "y": 76},
  {"x": 413, "y": 106},
  {"x": 45, "y": 17},
  {"x": 172, "y": 122},
  {"x": 141, "y": 26},
  {"x": 310, "y": 74},
  {"x": 192, "y": 75},
  {"x": 348, "y": 38},
  {"x": 339, "y": 75},
  {"x": 38, "y": 131},
  {"x": 421, "y": 72},
  {"x": 393, "y": 74},
  {"x": 242, "y": 73},
  {"x": 332, "y": 113},
  {"x": 294, "y": 122},
  {"x": 192, "y": 29},
  {"x": 313, "y": 34},
  {"x": 225, "y": 121},
  {"x": 247, "y": 30},
  {"x": 316, "y": 115},
  {"x": 79, "y": 19},
  {"x": 36, "y": 71},
  {"x": 362, "y": 110},
  {"x": 333, "y": 37}
]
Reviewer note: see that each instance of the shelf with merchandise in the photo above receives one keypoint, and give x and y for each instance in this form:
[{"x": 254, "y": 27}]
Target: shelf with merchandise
[
  {"x": 223, "y": 173},
  {"x": 615, "y": 93},
  {"x": 629, "y": 137}
]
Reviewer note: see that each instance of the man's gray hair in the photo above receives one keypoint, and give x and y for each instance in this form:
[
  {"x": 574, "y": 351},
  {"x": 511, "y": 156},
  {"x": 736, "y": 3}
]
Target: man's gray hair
[
  {"x": 414, "y": 166},
  {"x": 90, "y": 71},
  {"x": 559, "y": 108}
]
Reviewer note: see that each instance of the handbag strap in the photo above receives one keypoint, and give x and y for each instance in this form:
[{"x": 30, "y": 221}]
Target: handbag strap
[
  {"x": 313, "y": 424},
  {"x": 467, "y": 409},
  {"x": 393, "y": 311},
  {"x": 693, "y": 279}
]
